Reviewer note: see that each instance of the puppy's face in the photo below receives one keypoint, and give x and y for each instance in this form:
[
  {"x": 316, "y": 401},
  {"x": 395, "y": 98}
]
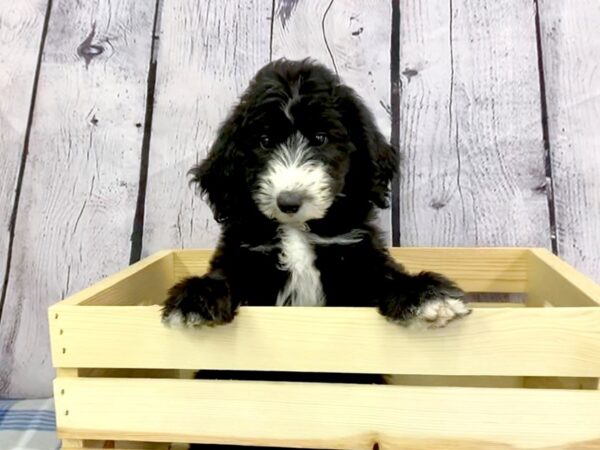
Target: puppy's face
[
  {"x": 300, "y": 178},
  {"x": 302, "y": 154},
  {"x": 297, "y": 141}
]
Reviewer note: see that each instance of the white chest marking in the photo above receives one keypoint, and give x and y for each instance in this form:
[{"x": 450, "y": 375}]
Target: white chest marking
[{"x": 303, "y": 287}]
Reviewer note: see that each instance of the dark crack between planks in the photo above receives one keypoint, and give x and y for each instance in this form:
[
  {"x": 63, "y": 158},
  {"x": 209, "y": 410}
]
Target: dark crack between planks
[
  {"x": 271, "y": 36},
  {"x": 325, "y": 37},
  {"x": 546, "y": 133},
  {"x": 452, "y": 120},
  {"x": 395, "y": 93},
  {"x": 137, "y": 233}
]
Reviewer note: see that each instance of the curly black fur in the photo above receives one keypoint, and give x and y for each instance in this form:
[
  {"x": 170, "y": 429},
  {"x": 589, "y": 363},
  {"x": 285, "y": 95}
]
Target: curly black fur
[
  {"x": 304, "y": 99},
  {"x": 246, "y": 263}
]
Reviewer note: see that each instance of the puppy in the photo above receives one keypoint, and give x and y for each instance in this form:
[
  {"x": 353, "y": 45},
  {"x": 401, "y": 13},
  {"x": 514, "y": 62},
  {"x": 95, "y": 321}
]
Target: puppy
[{"x": 294, "y": 178}]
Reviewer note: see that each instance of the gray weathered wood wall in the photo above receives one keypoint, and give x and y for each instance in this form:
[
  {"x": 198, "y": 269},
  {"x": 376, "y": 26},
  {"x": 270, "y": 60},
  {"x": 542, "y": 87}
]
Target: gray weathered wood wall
[{"x": 106, "y": 104}]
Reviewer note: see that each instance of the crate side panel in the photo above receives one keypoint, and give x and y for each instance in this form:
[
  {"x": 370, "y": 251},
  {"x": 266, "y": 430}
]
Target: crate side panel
[
  {"x": 553, "y": 281},
  {"x": 156, "y": 270},
  {"x": 474, "y": 269},
  {"x": 503, "y": 341},
  {"x": 147, "y": 286},
  {"x": 321, "y": 415},
  {"x": 187, "y": 263}
]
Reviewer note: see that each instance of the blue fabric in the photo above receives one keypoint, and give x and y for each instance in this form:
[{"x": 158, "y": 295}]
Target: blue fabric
[{"x": 28, "y": 425}]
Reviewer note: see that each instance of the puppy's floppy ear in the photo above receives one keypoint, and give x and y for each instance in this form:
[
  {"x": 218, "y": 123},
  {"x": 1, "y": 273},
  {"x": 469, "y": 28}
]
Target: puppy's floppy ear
[
  {"x": 375, "y": 152},
  {"x": 218, "y": 175}
]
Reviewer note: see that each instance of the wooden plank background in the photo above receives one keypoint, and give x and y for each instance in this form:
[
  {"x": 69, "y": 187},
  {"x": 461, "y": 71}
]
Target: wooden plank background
[
  {"x": 21, "y": 26},
  {"x": 571, "y": 56},
  {"x": 80, "y": 186},
  {"x": 470, "y": 125},
  {"x": 107, "y": 104},
  {"x": 201, "y": 71}
]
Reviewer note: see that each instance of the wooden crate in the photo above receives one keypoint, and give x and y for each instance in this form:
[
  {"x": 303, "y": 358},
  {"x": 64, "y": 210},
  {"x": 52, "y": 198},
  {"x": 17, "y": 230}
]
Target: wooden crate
[{"x": 508, "y": 376}]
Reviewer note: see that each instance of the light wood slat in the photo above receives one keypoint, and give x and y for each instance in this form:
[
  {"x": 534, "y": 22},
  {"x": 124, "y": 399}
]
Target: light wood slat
[
  {"x": 504, "y": 341},
  {"x": 208, "y": 52},
  {"x": 190, "y": 262},
  {"x": 21, "y": 25},
  {"x": 571, "y": 50},
  {"x": 67, "y": 372},
  {"x": 353, "y": 37},
  {"x": 325, "y": 415},
  {"x": 143, "y": 283},
  {"x": 475, "y": 269},
  {"x": 81, "y": 178},
  {"x": 553, "y": 281},
  {"x": 470, "y": 127}
]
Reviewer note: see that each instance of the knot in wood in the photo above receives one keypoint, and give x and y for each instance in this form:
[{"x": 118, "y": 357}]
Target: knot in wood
[
  {"x": 409, "y": 73},
  {"x": 437, "y": 204},
  {"x": 87, "y": 50},
  {"x": 90, "y": 50}
]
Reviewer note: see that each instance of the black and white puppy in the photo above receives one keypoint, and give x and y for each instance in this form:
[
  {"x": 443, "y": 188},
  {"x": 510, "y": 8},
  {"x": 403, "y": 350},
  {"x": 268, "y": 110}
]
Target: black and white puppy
[{"x": 294, "y": 178}]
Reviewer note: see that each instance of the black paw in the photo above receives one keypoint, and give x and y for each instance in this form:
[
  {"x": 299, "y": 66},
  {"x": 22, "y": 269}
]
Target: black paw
[
  {"x": 196, "y": 302},
  {"x": 429, "y": 298}
]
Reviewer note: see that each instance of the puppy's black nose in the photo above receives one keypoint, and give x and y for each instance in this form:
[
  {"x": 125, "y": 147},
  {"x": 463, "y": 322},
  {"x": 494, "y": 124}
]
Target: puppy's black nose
[{"x": 289, "y": 202}]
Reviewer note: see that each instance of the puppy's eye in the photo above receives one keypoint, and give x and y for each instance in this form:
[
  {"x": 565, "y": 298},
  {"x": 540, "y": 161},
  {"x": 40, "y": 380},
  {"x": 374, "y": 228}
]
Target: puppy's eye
[
  {"x": 320, "y": 139},
  {"x": 266, "y": 141}
]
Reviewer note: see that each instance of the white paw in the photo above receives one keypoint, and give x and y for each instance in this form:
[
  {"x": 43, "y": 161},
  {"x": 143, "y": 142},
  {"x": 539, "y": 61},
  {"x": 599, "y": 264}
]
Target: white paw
[
  {"x": 438, "y": 312},
  {"x": 175, "y": 319}
]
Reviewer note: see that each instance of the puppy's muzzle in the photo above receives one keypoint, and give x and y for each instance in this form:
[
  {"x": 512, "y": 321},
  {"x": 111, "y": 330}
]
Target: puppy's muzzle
[{"x": 290, "y": 202}]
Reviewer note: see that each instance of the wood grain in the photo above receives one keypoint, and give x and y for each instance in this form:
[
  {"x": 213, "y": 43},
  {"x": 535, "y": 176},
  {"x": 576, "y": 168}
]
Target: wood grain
[
  {"x": 571, "y": 55},
  {"x": 470, "y": 125},
  {"x": 350, "y": 37},
  {"x": 208, "y": 53},
  {"x": 324, "y": 415},
  {"x": 81, "y": 178},
  {"x": 490, "y": 342},
  {"x": 21, "y": 25},
  {"x": 143, "y": 283},
  {"x": 552, "y": 281}
]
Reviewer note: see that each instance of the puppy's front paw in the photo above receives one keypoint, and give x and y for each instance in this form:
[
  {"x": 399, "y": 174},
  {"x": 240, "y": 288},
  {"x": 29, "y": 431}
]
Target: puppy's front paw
[
  {"x": 439, "y": 300},
  {"x": 437, "y": 313},
  {"x": 427, "y": 298},
  {"x": 196, "y": 302}
]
